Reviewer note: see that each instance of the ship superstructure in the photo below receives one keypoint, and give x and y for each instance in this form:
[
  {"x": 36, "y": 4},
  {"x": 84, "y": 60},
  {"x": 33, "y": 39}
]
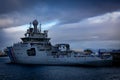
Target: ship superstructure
[{"x": 36, "y": 48}]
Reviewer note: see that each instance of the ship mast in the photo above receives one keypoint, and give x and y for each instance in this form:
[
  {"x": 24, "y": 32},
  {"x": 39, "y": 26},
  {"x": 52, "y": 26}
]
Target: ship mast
[
  {"x": 30, "y": 24},
  {"x": 40, "y": 27}
]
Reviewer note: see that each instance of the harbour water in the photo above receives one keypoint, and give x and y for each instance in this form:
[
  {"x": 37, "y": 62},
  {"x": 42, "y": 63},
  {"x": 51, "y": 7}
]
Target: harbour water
[{"x": 10, "y": 71}]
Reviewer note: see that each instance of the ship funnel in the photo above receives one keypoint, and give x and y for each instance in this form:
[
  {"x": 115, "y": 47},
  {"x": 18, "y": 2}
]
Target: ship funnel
[{"x": 35, "y": 23}]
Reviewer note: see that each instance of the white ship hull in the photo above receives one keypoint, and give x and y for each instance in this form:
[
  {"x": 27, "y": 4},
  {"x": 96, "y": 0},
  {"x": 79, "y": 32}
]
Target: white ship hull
[{"x": 44, "y": 58}]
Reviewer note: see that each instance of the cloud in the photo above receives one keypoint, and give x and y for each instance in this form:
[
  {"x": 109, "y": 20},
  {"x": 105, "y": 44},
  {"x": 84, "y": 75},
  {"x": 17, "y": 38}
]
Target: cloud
[
  {"x": 113, "y": 17},
  {"x": 103, "y": 27},
  {"x": 80, "y": 34},
  {"x": 67, "y": 20},
  {"x": 20, "y": 12}
]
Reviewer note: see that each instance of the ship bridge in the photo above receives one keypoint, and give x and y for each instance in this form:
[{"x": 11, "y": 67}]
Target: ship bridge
[{"x": 35, "y": 35}]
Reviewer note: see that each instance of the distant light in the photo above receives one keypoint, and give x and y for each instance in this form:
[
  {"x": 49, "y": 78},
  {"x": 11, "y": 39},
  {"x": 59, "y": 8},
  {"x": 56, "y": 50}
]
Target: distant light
[
  {"x": 95, "y": 37},
  {"x": 49, "y": 25},
  {"x": 16, "y": 29},
  {"x": 99, "y": 19},
  {"x": 108, "y": 17}
]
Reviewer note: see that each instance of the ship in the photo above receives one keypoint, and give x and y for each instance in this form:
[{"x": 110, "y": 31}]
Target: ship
[{"x": 35, "y": 48}]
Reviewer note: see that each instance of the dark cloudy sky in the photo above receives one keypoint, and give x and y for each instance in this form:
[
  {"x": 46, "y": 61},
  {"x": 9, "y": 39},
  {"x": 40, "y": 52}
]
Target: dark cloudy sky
[{"x": 82, "y": 23}]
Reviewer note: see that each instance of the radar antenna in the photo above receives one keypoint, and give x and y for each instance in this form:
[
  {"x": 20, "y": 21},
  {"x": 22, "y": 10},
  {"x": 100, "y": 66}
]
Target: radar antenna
[
  {"x": 40, "y": 27},
  {"x": 30, "y": 24}
]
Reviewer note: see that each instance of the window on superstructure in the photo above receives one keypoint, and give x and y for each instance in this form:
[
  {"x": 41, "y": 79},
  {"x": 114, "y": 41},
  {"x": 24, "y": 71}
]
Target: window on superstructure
[{"x": 31, "y": 52}]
